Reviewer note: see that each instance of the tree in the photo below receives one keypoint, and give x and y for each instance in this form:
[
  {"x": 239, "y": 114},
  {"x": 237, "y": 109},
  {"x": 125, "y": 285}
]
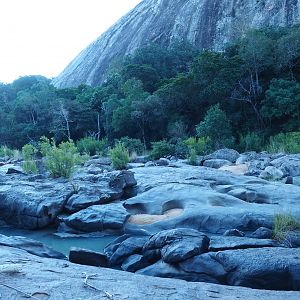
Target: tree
[
  {"x": 282, "y": 104},
  {"x": 217, "y": 127}
]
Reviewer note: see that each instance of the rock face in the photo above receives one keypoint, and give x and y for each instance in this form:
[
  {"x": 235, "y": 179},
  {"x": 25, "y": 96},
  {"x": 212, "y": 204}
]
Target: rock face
[
  {"x": 204, "y": 23},
  {"x": 52, "y": 279}
]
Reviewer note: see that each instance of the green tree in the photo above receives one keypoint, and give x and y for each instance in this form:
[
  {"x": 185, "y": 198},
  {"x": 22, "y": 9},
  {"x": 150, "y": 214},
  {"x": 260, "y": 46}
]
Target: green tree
[{"x": 217, "y": 127}]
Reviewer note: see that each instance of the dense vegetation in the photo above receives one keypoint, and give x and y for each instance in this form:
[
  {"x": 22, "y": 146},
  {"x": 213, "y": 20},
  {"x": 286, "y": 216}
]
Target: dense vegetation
[{"x": 238, "y": 98}]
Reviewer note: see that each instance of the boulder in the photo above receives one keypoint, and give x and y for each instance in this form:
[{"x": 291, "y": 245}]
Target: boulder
[
  {"x": 271, "y": 173},
  {"x": 216, "y": 163},
  {"x": 98, "y": 218},
  {"x": 163, "y": 162},
  {"x": 14, "y": 170},
  {"x": 262, "y": 233},
  {"x": 130, "y": 246},
  {"x": 30, "y": 246},
  {"x": 234, "y": 232},
  {"x": 87, "y": 257},
  {"x": 183, "y": 249},
  {"x": 225, "y": 154},
  {"x": 135, "y": 262},
  {"x": 31, "y": 205}
]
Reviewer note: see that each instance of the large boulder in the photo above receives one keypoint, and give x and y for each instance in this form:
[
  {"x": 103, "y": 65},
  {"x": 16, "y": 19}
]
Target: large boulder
[
  {"x": 102, "y": 188},
  {"x": 216, "y": 163},
  {"x": 109, "y": 217},
  {"x": 225, "y": 154},
  {"x": 271, "y": 173},
  {"x": 31, "y": 205}
]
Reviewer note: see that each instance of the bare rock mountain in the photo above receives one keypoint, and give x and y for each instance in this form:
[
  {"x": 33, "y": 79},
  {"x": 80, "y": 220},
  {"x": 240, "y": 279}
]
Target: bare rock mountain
[{"x": 204, "y": 23}]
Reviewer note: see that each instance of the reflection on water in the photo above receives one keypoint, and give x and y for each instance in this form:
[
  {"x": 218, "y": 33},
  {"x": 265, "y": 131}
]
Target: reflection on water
[{"x": 60, "y": 244}]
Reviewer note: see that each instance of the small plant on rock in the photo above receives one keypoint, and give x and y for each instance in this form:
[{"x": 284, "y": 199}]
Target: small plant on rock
[
  {"x": 119, "y": 156},
  {"x": 284, "y": 225},
  {"x": 162, "y": 149}
]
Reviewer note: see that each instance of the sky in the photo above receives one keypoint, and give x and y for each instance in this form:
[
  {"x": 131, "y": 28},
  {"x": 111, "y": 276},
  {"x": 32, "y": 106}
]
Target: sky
[{"x": 41, "y": 37}]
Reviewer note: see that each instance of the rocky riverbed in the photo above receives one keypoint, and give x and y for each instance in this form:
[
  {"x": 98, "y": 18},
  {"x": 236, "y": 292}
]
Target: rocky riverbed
[{"x": 210, "y": 223}]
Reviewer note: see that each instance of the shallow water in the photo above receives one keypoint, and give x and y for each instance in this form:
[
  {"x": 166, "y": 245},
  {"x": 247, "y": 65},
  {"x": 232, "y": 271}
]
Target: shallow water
[{"x": 60, "y": 244}]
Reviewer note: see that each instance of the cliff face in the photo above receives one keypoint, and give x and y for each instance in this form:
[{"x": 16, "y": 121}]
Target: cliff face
[{"x": 204, "y": 23}]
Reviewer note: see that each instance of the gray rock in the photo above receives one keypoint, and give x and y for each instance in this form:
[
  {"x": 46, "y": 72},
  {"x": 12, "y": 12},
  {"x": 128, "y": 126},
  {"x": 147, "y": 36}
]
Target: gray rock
[
  {"x": 98, "y": 218},
  {"x": 135, "y": 262},
  {"x": 246, "y": 157},
  {"x": 130, "y": 246},
  {"x": 163, "y": 162},
  {"x": 221, "y": 243},
  {"x": 54, "y": 275},
  {"x": 262, "y": 233},
  {"x": 216, "y": 163},
  {"x": 30, "y": 246},
  {"x": 289, "y": 165},
  {"x": 167, "y": 237},
  {"x": 31, "y": 205},
  {"x": 183, "y": 249},
  {"x": 15, "y": 170},
  {"x": 224, "y": 154},
  {"x": 149, "y": 164},
  {"x": 271, "y": 173},
  {"x": 205, "y": 25},
  {"x": 87, "y": 257},
  {"x": 234, "y": 232}
]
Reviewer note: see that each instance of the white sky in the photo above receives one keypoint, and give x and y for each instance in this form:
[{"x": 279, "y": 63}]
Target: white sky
[{"x": 40, "y": 37}]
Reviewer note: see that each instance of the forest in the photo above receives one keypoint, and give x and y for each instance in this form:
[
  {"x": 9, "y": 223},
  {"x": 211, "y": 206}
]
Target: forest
[{"x": 244, "y": 97}]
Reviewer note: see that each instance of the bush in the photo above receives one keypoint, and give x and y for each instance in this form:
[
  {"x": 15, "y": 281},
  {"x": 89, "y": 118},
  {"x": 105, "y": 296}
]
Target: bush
[
  {"x": 61, "y": 160},
  {"x": 119, "y": 156},
  {"x": 29, "y": 165},
  {"x": 162, "y": 149},
  {"x": 283, "y": 225},
  {"x": 289, "y": 143},
  {"x": 91, "y": 146},
  {"x": 217, "y": 127},
  {"x": 201, "y": 145},
  {"x": 132, "y": 145},
  {"x": 251, "y": 142},
  {"x": 6, "y": 152},
  {"x": 192, "y": 157}
]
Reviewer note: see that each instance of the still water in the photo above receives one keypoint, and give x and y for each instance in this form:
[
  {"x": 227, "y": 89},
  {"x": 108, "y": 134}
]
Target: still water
[{"x": 61, "y": 244}]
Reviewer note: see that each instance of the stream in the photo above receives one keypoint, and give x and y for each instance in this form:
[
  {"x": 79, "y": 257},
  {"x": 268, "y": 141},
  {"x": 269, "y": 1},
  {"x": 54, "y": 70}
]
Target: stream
[{"x": 61, "y": 244}]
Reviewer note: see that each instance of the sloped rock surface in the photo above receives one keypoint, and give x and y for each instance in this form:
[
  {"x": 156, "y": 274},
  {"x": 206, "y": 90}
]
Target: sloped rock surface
[{"x": 203, "y": 23}]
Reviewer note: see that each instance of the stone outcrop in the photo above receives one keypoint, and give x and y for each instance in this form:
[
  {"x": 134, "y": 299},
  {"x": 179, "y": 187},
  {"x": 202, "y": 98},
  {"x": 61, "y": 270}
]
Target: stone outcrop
[
  {"x": 204, "y": 23},
  {"x": 52, "y": 279}
]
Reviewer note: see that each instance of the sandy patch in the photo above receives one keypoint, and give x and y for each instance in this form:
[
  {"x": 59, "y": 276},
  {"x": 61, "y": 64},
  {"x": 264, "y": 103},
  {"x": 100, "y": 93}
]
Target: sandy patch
[
  {"x": 143, "y": 219},
  {"x": 237, "y": 169}
]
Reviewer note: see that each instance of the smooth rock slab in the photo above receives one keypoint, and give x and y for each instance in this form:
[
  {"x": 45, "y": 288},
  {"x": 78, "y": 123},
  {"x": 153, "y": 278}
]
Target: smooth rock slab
[
  {"x": 98, "y": 218},
  {"x": 30, "y": 246}
]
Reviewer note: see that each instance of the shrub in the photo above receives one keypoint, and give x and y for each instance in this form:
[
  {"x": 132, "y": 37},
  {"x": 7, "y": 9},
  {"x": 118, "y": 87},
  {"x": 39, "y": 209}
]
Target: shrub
[
  {"x": 91, "y": 146},
  {"x": 251, "y": 142},
  {"x": 132, "y": 145},
  {"x": 217, "y": 127},
  {"x": 162, "y": 149},
  {"x": 193, "y": 157},
  {"x": 289, "y": 143},
  {"x": 6, "y": 152},
  {"x": 61, "y": 160},
  {"x": 119, "y": 156},
  {"x": 201, "y": 145},
  {"x": 283, "y": 225},
  {"x": 29, "y": 165}
]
